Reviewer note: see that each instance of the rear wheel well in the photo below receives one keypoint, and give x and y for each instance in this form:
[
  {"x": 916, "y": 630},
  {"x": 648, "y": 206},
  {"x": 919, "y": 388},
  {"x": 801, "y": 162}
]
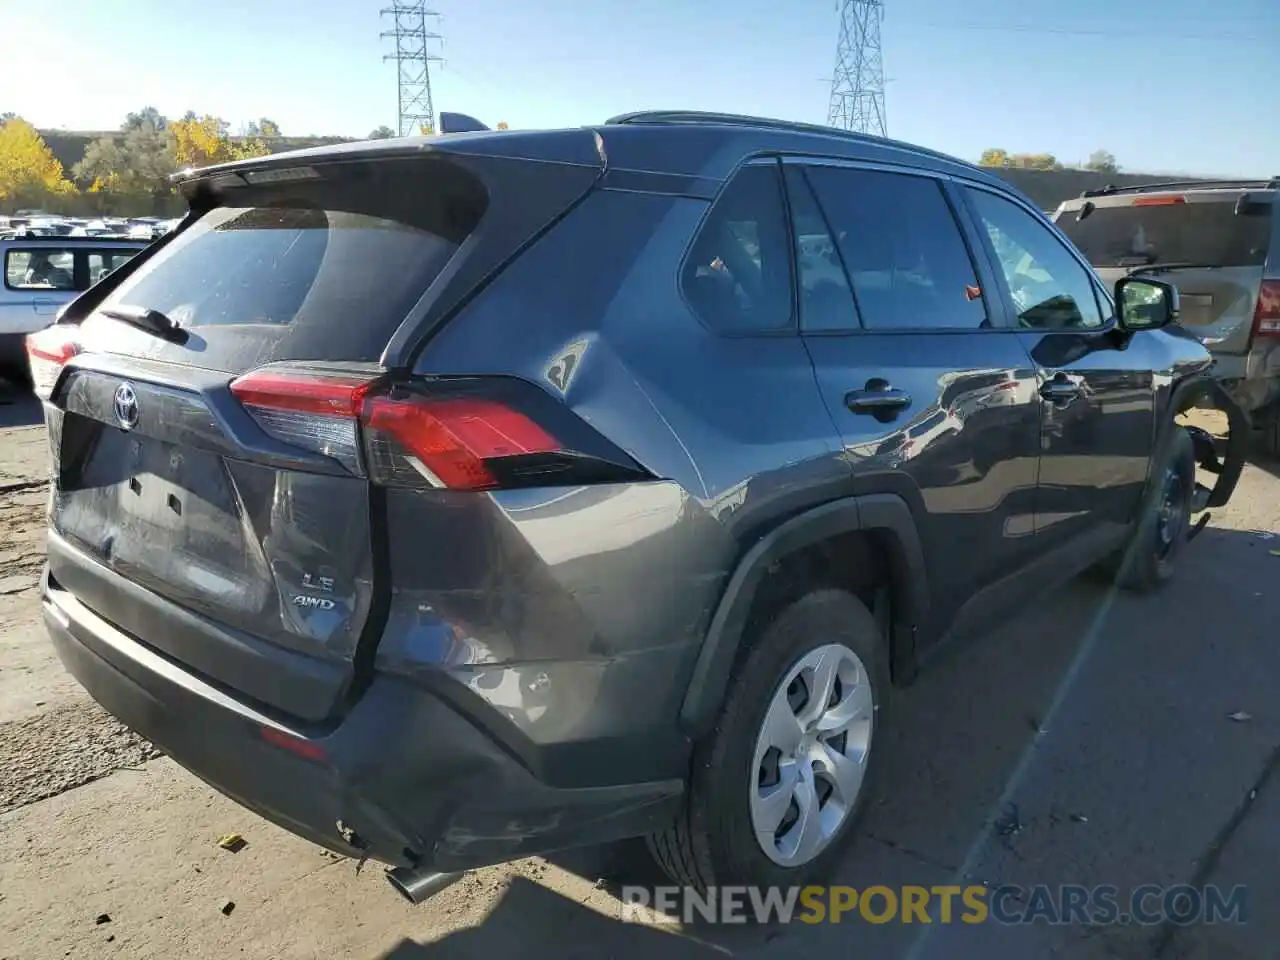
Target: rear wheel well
[{"x": 858, "y": 562}]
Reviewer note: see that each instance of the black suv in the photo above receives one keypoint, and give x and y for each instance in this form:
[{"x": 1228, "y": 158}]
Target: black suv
[{"x": 455, "y": 499}]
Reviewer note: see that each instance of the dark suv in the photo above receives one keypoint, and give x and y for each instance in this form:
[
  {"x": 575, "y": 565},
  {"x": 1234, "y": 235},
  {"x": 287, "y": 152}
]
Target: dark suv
[{"x": 456, "y": 499}]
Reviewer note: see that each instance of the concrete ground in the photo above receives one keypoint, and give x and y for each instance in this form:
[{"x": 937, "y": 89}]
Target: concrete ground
[{"x": 1089, "y": 741}]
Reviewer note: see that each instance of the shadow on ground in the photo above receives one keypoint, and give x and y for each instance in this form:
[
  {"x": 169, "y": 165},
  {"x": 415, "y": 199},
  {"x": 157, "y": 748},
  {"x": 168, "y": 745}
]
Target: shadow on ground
[
  {"x": 1075, "y": 725},
  {"x": 18, "y": 406}
]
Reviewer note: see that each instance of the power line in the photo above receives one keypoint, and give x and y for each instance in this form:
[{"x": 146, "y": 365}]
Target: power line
[
  {"x": 413, "y": 59},
  {"x": 857, "y": 85}
]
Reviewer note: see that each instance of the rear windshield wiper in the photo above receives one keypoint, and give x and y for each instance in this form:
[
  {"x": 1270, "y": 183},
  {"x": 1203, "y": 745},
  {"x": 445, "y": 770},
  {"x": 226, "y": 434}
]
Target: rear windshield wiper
[
  {"x": 152, "y": 321},
  {"x": 1163, "y": 267}
]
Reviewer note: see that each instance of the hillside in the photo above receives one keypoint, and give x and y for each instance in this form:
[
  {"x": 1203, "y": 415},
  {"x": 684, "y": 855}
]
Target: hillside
[{"x": 69, "y": 145}]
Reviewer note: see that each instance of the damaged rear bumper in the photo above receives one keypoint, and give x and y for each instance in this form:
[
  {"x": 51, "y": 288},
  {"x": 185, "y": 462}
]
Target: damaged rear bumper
[{"x": 404, "y": 779}]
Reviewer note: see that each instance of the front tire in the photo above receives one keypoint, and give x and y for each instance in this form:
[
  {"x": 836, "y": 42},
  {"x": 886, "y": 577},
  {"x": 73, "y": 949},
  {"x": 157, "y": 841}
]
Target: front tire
[
  {"x": 1148, "y": 560},
  {"x": 780, "y": 782}
]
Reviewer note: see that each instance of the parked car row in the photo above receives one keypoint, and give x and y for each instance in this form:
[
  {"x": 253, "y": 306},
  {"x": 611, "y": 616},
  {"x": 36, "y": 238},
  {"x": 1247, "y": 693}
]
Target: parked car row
[
  {"x": 28, "y": 224},
  {"x": 453, "y": 502}
]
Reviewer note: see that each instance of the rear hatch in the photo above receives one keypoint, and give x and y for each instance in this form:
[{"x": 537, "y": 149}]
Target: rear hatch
[
  {"x": 1213, "y": 245},
  {"x": 209, "y": 495}
]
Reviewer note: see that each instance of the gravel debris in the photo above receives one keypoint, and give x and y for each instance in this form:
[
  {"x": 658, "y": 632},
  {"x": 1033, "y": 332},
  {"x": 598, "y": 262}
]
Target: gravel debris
[{"x": 65, "y": 747}]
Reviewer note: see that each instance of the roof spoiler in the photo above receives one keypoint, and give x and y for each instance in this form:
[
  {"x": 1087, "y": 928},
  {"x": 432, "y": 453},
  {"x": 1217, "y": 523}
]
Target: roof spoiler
[{"x": 459, "y": 123}]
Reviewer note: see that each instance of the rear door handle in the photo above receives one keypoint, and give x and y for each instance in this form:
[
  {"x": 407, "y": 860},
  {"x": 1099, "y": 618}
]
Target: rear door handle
[
  {"x": 878, "y": 399},
  {"x": 1060, "y": 390}
]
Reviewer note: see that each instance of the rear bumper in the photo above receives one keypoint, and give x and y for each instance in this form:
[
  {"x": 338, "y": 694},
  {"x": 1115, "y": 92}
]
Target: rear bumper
[{"x": 410, "y": 779}]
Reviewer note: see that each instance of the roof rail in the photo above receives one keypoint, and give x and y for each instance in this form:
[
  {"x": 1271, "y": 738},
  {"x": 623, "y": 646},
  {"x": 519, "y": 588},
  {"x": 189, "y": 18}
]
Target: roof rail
[
  {"x": 731, "y": 119},
  {"x": 1109, "y": 189},
  {"x": 769, "y": 123}
]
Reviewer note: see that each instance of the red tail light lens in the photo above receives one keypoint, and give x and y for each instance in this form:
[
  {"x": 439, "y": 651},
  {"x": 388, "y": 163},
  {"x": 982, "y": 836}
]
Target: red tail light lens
[
  {"x": 1266, "y": 316},
  {"x": 447, "y": 441},
  {"x": 1166, "y": 201},
  {"x": 313, "y": 410},
  {"x": 467, "y": 433},
  {"x": 47, "y": 353}
]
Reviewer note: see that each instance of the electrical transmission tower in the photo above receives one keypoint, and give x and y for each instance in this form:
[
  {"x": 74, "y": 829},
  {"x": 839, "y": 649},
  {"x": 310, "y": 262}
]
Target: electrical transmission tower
[
  {"x": 413, "y": 59},
  {"x": 857, "y": 88}
]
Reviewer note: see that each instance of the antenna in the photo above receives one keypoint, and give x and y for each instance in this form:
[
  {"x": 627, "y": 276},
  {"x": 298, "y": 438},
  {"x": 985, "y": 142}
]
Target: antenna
[
  {"x": 857, "y": 86},
  {"x": 413, "y": 59}
]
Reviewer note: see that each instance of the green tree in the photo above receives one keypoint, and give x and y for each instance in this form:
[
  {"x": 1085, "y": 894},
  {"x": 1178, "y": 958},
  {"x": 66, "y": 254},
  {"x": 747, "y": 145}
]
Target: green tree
[
  {"x": 1103, "y": 161},
  {"x": 148, "y": 118},
  {"x": 382, "y": 133},
  {"x": 994, "y": 157},
  {"x": 130, "y": 172},
  {"x": 268, "y": 128}
]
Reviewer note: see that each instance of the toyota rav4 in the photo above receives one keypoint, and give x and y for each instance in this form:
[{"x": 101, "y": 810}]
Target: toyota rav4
[{"x": 454, "y": 499}]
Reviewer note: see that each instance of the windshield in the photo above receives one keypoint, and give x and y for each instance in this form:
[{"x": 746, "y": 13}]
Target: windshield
[{"x": 1200, "y": 233}]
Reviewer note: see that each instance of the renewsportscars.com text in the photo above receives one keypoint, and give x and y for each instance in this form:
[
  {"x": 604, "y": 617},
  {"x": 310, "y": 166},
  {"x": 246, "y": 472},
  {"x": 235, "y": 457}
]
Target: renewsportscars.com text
[{"x": 1008, "y": 904}]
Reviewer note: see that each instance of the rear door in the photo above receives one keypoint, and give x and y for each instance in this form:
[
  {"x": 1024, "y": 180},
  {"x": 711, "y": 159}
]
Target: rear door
[
  {"x": 1096, "y": 390},
  {"x": 210, "y": 496},
  {"x": 933, "y": 398},
  {"x": 1216, "y": 245}
]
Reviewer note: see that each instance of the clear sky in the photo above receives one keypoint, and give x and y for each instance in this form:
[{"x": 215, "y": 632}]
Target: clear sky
[{"x": 1166, "y": 85}]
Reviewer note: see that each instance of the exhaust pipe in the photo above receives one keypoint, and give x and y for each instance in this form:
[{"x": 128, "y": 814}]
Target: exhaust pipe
[{"x": 416, "y": 884}]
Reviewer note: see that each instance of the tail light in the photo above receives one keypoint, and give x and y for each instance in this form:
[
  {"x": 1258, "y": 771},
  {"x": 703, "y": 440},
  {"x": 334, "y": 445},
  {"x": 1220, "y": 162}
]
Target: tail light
[
  {"x": 1165, "y": 201},
  {"x": 48, "y": 350},
  {"x": 1266, "y": 316},
  {"x": 473, "y": 433}
]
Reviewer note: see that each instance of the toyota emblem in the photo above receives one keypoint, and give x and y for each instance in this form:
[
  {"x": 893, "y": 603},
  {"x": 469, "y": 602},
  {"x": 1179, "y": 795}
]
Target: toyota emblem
[{"x": 126, "y": 406}]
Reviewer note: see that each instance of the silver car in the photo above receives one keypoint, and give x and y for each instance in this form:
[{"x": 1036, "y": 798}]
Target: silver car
[{"x": 1220, "y": 244}]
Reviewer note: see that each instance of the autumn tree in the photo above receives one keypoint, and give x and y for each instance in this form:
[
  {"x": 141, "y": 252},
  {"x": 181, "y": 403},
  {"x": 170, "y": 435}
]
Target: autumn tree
[
  {"x": 201, "y": 141},
  {"x": 994, "y": 157},
  {"x": 1102, "y": 161},
  {"x": 262, "y": 128},
  {"x": 382, "y": 133},
  {"x": 30, "y": 175}
]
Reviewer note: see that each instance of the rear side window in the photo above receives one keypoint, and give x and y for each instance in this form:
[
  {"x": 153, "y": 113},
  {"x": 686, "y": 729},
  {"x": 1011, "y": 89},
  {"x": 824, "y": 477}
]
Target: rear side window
[
  {"x": 738, "y": 272},
  {"x": 1207, "y": 233},
  {"x": 826, "y": 300},
  {"x": 39, "y": 268},
  {"x": 324, "y": 270},
  {"x": 904, "y": 251}
]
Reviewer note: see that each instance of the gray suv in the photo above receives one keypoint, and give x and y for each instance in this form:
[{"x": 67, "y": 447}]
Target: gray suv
[
  {"x": 1219, "y": 242},
  {"x": 456, "y": 499}
]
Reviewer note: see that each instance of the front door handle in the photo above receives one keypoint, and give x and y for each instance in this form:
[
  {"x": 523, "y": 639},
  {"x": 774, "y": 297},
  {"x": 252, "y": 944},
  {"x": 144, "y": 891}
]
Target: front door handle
[
  {"x": 1060, "y": 390},
  {"x": 878, "y": 399}
]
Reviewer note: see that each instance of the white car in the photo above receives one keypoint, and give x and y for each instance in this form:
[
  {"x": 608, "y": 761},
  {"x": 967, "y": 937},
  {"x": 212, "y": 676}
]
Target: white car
[{"x": 39, "y": 276}]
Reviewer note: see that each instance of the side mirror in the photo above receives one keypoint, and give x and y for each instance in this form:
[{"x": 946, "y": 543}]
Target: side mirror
[{"x": 1145, "y": 304}]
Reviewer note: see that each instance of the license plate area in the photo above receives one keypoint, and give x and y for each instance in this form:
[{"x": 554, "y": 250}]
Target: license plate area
[{"x": 164, "y": 515}]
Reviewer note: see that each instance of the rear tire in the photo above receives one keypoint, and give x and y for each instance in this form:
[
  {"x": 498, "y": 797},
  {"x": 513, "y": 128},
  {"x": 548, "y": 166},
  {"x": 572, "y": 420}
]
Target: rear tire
[
  {"x": 713, "y": 841},
  {"x": 1148, "y": 560}
]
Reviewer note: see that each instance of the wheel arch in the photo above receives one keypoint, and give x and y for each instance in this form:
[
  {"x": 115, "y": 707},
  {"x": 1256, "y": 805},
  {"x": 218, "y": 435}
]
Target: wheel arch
[
  {"x": 1191, "y": 392},
  {"x": 885, "y": 515}
]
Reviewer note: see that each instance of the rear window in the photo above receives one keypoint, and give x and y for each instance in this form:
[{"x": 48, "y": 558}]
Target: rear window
[
  {"x": 321, "y": 270},
  {"x": 1201, "y": 233}
]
